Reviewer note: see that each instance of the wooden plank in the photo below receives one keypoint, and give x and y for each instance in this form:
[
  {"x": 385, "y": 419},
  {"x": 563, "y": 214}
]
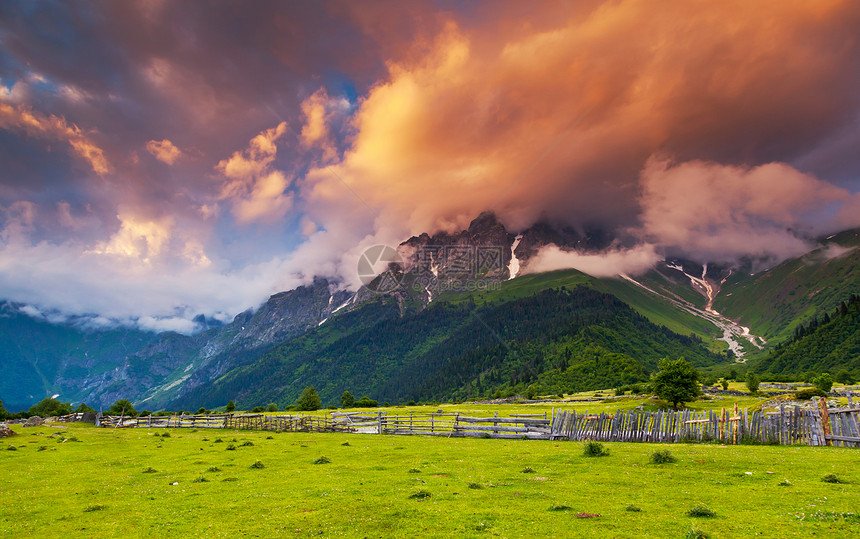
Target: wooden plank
[
  {"x": 825, "y": 419},
  {"x": 842, "y": 438}
]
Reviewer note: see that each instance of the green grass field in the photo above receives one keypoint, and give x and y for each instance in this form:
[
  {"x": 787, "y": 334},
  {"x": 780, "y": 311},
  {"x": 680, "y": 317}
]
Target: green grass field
[{"x": 98, "y": 483}]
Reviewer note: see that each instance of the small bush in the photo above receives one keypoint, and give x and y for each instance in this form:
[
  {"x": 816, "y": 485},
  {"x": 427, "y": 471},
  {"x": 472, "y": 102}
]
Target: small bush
[
  {"x": 213, "y": 469},
  {"x": 784, "y": 483},
  {"x": 256, "y": 466},
  {"x": 165, "y": 435},
  {"x": 323, "y": 460},
  {"x": 560, "y": 508},
  {"x": 594, "y": 449},
  {"x": 700, "y": 511},
  {"x": 12, "y": 448},
  {"x": 91, "y": 508},
  {"x": 42, "y": 448},
  {"x": 528, "y": 469},
  {"x": 248, "y": 443},
  {"x": 420, "y": 495},
  {"x": 200, "y": 479},
  {"x": 218, "y": 441},
  {"x": 150, "y": 470},
  {"x": 270, "y": 437},
  {"x": 414, "y": 470},
  {"x": 805, "y": 394},
  {"x": 696, "y": 533},
  {"x": 633, "y": 508},
  {"x": 831, "y": 478},
  {"x": 346, "y": 444},
  {"x": 662, "y": 457},
  {"x": 231, "y": 447},
  {"x": 475, "y": 486}
]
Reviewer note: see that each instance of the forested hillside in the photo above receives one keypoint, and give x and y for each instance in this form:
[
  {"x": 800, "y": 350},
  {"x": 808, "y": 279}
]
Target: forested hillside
[
  {"x": 557, "y": 340},
  {"x": 827, "y": 344}
]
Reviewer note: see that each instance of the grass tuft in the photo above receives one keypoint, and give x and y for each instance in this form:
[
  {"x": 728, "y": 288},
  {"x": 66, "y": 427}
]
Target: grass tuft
[
  {"x": 414, "y": 470},
  {"x": 213, "y": 469},
  {"x": 230, "y": 479},
  {"x": 323, "y": 460},
  {"x": 346, "y": 444},
  {"x": 92, "y": 508},
  {"x": 231, "y": 447},
  {"x": 784, "y": 483},
  {"x": 662, "y": 457},
  {"x": 700, "y": 511},
  {"x": 695, "y": 533},
  {"x": 528, "y": 469},
  {"x": 218, "y": 441},
  {"x": 420, "y": 495},
  {"x": 831, "y": 478},
  {"x": 594, "y": 449},
  {"x": 200, "y": 479},
  {"x": 11, "y": 448},
  {"x": 633, "y": 508},
  {"x": 248, "y": 443},
  {"x": 475, "y": 486},
  {"x": 150, "y": 470},
  {"x": 256, "y": 466},
  {"x": 560, "y": 508}
]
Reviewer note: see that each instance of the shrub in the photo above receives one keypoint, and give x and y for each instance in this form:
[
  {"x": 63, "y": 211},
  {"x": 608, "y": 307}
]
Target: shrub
[
  {"x": 475, "y": 486},
  {"x": 272, "y": 407},
  {"x": 662, "y": 457},
  {"x": 696, "y": 533},
  {"x": 231, "y": 407},
  {"x": 414, "y": 470},
  {"x": 784, "y": 483},
  {"x": 213, "y": 469},
  {"x": 531, "y": 392},
  {"x": 248, "y": 443},
  {"x": 700, "y": 511},
  {"x": 200, "y": 479},
  {"x": 346, "y": 444},
  {"x": 633, "y": 508},
  {"x": 218, "y": 441},
  {"x": 256, "y": 466},
  {"x": 150, "y": 470},
  {"x": 258, "y": 410},
  {"x": 823, "y": 381},
  {"x": 366, "y": 402},
  {"x": 831, "y": 478},
  {"x": 619, "y": 391},
  {"x": 752, "y": 382},
  {"x": 323, "y": 460},
  {"x": 122, "y": 407},
  {"x": 12, "y": 448},
  {"x": 560, "y": 508},
  {"x": 420, "y": 495},
  {"x": 528, "y": 469},
  {"x": 42, "y": 448},
  {"x": 805, "y": 394},
  {"x": 201, "y": 411},
  {"x": 231, "y": 447},
  {"x": 270, "y": 437},
  {"x": 165, "y": 435},
  {"x": 724, "y": 383},
  {"x": 594, "y": 449}
]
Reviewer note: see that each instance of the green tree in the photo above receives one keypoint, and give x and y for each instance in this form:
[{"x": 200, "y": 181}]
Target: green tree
[
  {"x": 366, "y": 402},
  {"x": 752, "y": 382},
  {"x": 733, "y": 375},
  {"x": 122, "y": 407},
  {"x": 231, "y": 407},
  {"x": 347, "y": 400},
  {"x": 50, "y": 407},
  {"x": 531, "y": 392},
  {"x": 4, "y": 414},
  {"x": 272, "y": 407},
  {"x": 676, "y": 381},
  {"x": 844, "y": 377},
  {"x": 824, "y": 382},
  {"x": 309, "y": 399},
  {"x": 724, "y": 383},
  {"x": 84, "y": 409}
]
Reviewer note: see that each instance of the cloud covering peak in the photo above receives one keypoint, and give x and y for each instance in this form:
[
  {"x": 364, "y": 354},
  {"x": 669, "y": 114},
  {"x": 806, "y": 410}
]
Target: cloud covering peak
[{"x": 175, "y": 159}]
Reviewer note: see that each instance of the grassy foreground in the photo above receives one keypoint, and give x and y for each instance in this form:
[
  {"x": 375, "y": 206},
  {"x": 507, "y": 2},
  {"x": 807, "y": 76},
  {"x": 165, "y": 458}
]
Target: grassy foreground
[{"x": 119, "y": 483}]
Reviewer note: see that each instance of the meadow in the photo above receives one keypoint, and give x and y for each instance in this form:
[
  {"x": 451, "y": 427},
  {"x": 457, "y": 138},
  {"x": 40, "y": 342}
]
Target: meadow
[{"x": 79, "y": 480}]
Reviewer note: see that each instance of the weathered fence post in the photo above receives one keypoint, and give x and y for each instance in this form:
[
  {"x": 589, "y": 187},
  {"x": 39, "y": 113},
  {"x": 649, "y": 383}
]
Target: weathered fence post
[{"x": 825, "y": 419}]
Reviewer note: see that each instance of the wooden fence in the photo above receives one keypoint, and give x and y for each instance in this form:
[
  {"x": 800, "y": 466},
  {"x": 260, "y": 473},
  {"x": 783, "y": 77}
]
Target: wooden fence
[{"x": 788, "y": 426}]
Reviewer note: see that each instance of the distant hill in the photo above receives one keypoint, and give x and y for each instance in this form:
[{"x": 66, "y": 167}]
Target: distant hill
[
  {"x": 557, "y": 339},
  {"x": 830, "y": 343}
]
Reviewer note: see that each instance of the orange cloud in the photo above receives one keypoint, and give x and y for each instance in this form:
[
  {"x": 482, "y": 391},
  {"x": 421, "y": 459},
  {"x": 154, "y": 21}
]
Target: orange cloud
[
  {"x": 53, "y": 127},
  {"x": 164, "y": 150},
  {"x": 256, "y": 190}
]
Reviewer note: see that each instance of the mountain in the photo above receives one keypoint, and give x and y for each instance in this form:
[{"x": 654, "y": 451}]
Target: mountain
[
  {"x": 830, "y": 343},
  {"x": 40, "y": 358},
  {"x": 558, "y": 339},
  {"x": 731, "y": 311},
  {"x": 775, "y": 301}
]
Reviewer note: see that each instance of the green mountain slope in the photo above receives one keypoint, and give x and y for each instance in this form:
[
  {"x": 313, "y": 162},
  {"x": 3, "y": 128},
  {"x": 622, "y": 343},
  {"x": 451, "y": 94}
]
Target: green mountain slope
[
  {"x": 557, "y": 339},
  {"x": 829, "y": 344},
  {"x": 773, "y": 303}
]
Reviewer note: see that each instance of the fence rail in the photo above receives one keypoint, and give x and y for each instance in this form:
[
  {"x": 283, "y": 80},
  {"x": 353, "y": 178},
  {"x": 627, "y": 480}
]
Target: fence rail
[{"x": 788, "y": 426}]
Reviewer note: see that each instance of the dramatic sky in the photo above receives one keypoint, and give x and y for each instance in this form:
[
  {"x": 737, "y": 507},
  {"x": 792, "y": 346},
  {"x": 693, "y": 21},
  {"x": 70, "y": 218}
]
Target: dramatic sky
[{"x": 161, "y": 159}]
